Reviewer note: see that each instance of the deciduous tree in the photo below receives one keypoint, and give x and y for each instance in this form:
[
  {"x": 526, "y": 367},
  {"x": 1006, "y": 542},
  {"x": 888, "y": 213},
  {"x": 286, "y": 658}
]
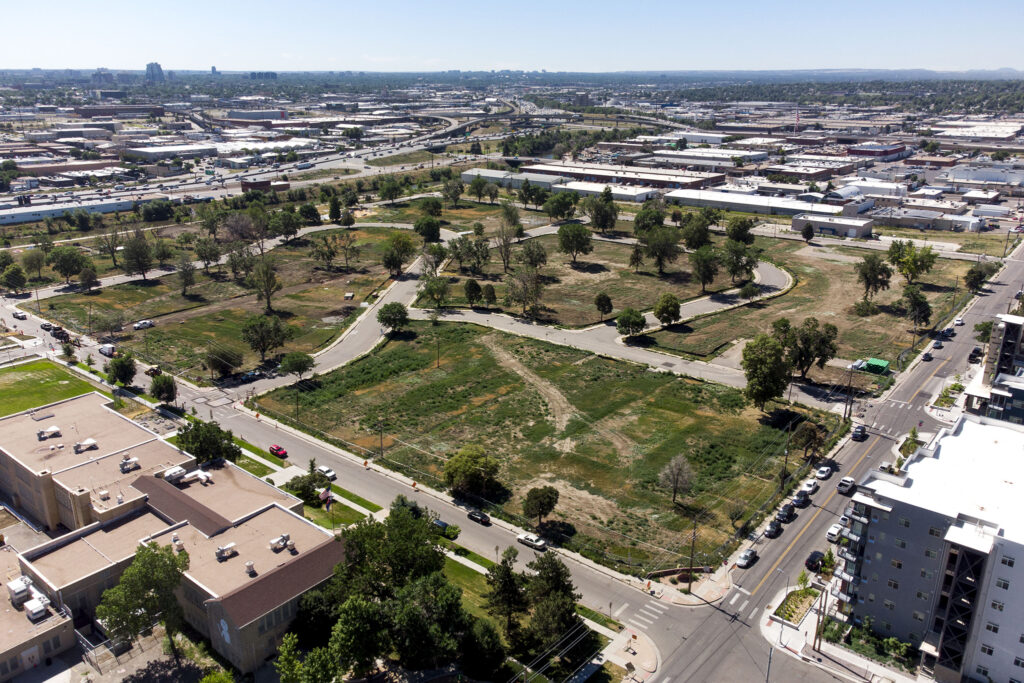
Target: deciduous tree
[
  {"x": 767, "y": 369},
  {"x": 630, "y": 322},
  {"x": 540, "y": 502},
  {"x": 874, "y": 273},
  {"x": 704, "y": 263},
  {"x": 603, "y": 303},
  {"x": 574, "y": 239},
  {"x": 393, "y": 315},
  {"x": 677, "y": 476},
  {"x": 208, "y": 441},
  {"x": 297, "y": 363},
  {"x": 264, "y": 333},
  {"x": 264, "y": 280}
]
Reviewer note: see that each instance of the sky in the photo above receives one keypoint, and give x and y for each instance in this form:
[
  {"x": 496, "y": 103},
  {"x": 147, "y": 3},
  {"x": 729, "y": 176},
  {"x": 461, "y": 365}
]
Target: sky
[{"x": 556, "y": 35}]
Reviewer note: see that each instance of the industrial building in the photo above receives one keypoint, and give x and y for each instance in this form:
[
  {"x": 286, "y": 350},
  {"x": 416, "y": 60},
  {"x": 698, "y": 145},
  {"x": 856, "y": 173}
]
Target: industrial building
[
  {"x": 840, "y": 226},
  {"x": 629, "y": 175},
  {"x": 622, "y": 193},
  {"x": 251, "y": 553},
  {"x": 258, "y": 114},
  {"x": 939, "y": 570},
  {"x": 512, "y": 180},
  {"x": 40, "y": 211},
  {"x": 925, "y": 220},
  {"x": 879, "y": 151},
  {"x": 782, "y": 206},
  {"x": 725, "y": 157},
  {"x": 115, "y": 109}
]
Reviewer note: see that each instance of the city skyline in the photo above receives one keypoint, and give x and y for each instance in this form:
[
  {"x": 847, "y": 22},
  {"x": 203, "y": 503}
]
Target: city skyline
[{"x": 581, "y": 37}]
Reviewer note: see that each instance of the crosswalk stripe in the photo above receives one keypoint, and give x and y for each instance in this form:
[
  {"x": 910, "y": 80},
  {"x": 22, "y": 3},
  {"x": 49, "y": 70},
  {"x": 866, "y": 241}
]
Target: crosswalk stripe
[
  {"x": 744, "y": 605},
  {"x": 734, "y": 596},
  {"x": 622, "y": 609},
  {"x": 650, "y": 613},
  {"x": 643, "y": 619},
  {"x": 743, "y": 590},
  {"x": 658, "y": 606},
  {"x": 636, "y": 624}
]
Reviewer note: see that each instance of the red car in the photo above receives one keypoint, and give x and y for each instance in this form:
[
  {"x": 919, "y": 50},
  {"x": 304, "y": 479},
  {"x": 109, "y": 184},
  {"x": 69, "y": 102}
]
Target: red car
[{"x": 278, "y": 451}]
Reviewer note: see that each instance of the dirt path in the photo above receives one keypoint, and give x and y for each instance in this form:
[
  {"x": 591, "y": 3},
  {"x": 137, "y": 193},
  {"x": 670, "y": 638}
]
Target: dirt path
[{"x": 561, "y": 409}]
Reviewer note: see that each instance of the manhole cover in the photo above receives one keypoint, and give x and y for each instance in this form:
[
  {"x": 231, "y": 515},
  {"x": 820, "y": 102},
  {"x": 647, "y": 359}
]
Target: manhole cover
[{"x": 668, "y": 365}]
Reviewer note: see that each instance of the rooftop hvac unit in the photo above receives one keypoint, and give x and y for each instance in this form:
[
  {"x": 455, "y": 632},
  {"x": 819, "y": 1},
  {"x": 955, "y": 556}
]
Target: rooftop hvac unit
[
  {"x": 291, "y": 546},
  {"x": 174, "y": 474},
  {"x": 104, "y": 495},
  {"x": 250, "y": 568},
  {"x": 120, "y": 498},
  {"x": 18, "y": 589},
  {"x": 35, "y": 609},
  {"x": 86, "y": 445},
  {"x": 51, "y": 431},
  {"x": 223, "y": 552},
  {"x": 279, "y": 543},
  {"x": 129, "y": 464}
]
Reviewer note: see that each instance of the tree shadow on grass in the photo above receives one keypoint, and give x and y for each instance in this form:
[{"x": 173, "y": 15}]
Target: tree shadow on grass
[
  {"x": 166, "y": 669},
  {"x": 195, "y": 297},
  {"x": 589, "y": 267},
  {"x": 402, "y": 335},
  {"x": 781, "y": 418},
  {"x": 556, "y": 530}
]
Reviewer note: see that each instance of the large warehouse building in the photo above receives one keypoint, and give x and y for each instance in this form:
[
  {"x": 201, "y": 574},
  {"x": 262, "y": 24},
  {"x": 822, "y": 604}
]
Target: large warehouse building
[{"x": 750, "y": 203}]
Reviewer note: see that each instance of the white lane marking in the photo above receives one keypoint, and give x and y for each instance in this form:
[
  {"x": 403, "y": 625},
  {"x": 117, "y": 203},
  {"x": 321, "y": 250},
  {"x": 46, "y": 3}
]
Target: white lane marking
[
  {"x": 658, "y": 606},
  {"x": 743, "y": 606},
  {"x": 622, "y": 609},
  {"x": 643, "y": 619},
  {"x": 743, "y": 590},
  {"x": 734, "y": 596},
  {"x": 637, "y": 625},
  {"x": 650, "y": 613}
]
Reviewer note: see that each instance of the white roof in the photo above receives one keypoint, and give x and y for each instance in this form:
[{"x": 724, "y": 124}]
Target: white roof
[{"x": 977, "y": 471}]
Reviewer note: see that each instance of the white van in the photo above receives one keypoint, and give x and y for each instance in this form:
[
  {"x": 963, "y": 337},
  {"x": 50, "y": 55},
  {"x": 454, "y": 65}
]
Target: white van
[{"x": 108, "y": 350}]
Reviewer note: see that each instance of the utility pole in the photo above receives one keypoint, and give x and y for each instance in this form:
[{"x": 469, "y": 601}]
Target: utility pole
[
  {"x": 380, "y": 426},
  {"x": 693, "y": 542},
  {"x": 768, "y": 672}
]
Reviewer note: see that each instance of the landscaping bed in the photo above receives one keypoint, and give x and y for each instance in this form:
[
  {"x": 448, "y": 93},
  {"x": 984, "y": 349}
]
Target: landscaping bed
[{"x": 796, "y": 605}]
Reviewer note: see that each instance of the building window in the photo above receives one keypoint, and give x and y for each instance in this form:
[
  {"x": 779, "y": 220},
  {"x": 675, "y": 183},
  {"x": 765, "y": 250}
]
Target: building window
[
  {"x": 983, "y": 670},
  {"x": 900, "y": 543},
  {"x": 921, "y": 595},
  {"x": 1006, "y": 560},
  {"x": 878, "y": 556},
  {"x": 935, "y": 531},
  {"x": 904, "y": 522},
  {"x": 931, "y": 553},
  {"x": 918, "y": 616},
  {"x": 889, "y": 605},
  {"x": 992, "y": 628},
  {"x": 894, "y": 584},
  {"x": 886, "y": 625},
  {"x": 871, "y": 598},
  {"x": 997, "y": 606},
  {"x": 1022, "y": 638},
  {"x": 927, "y": 573},
  {"x": 1018, "y": 661},
  {"x": 1002, "y": 583},
  {"x": 897, "y": 564},
  {"x": 987, "y": 650}
]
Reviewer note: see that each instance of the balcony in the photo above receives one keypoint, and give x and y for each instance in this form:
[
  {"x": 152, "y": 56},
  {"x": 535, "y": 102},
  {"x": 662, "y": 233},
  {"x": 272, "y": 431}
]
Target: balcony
[
  {"x": 847, "y": 555},
  {"x": 848, "y": 534},
  {"x": 856, "y": 516},
  {"x": 841, "y": 596},
  {"x": 842, "y": 575}
]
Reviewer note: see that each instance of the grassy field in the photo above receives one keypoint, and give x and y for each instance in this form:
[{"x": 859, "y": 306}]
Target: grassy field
[
  {"x": 569, "y": 290},
  {"x": 827, "y": 289},
  {"x": 312, "y": 300},
  {"x": 598, "y": 430},
  {"x": 462, "y": 218},
  {"x": 988, "y": 243},
  {"x": 415, "y": 157},
  {"x": 339, "y": 516},
  {"x": 37, "y": 383}
]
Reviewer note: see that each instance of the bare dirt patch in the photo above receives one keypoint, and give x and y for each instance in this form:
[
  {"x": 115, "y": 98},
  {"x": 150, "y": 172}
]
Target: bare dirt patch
[
  {"x": 828, "y": 254},
  {"x": 561, "y": 410},
  {"x": 574, "y": 502}
]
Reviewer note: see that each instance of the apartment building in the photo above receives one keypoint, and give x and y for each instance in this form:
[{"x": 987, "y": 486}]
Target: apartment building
[
  {"x": 930, "y": 554},
  {"x": 998, "y": 391}
]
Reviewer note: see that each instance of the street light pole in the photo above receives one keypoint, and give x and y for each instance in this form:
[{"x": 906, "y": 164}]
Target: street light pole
[{"x": 693, "y": 542}]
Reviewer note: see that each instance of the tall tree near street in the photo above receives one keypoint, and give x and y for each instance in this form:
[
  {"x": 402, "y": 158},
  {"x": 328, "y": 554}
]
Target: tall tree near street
[
  {"x": 504, "y": 239},
  {"x": 264, "y": 280},
  {"x": 740, "y": 229},
  {"x": 334, "y": 209},
  {"x": 389, "y": 189},
  {"x": 807, "y": 232},
  {"x": 506, "y": 598},
  {"x": 145, "y": 593},
  {"x": 767, "y": 369},
  {"x": 186, "y": 273},
  {"x": 208, "y": 251},
  {"x": 108, "y": 243},
  {"x": 524, "y": 288},
  {"x": 67, "y": 261},
  {"x": 662, "y": 246},
  {"x": 431, "y": 206},
  {"x": 394, "y": 316},
  {"x": 208, "y": 441},
  {"x": 650, "y": 217},
  {"x": 911, "y": 261},
  {"x": 87, "y": 278},
  {"x": 264, "y": 333},
  {"x": 33, "y": 260},
  {"x": 704, "y": 263},
  {"x": 452, "y": 191},
  {"x": 471, "y": 290},
  {"x": 492, "y": 192},
  {"x": 630, "y": 322},
  {"x": 471, "y": 471},
  {"x": 478, "y": 187},
  {"x": 916, "y": 306},
  {"x": 509, "y": 218},
  {"x": 602, "y": 211},
  {"x": 296, "y": 363},
  {"x": 874, "y": 274},
  {"x": 809, "y": 344},
  {"x": 603, "y": 303},
  {"x": 398, "y": 250},
  {"x": 666, "y": 310},
  {"x": 738, "y": 259},
  {"x": 540, "y": 502},
  {"x": 324, "y": 249},
  {"x": 677, "y": 476}
]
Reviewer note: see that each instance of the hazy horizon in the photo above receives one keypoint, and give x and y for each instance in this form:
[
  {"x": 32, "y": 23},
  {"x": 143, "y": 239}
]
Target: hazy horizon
[{"x": 597, "y": 36}]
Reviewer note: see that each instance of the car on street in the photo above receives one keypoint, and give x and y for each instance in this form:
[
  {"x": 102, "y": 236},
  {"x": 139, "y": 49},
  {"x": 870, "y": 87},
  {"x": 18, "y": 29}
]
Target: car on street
[
  {"x": 20, "y": 315},
  {"x": 937, "y": 344},
  {"x": 143, "y": 324},
  {"x": 153, "y": 371},
  {"x": 773, "y": 530},
  {"x": 327, "y": 472},
  {"x": 801, "y": 499},
  {"x": 810, "y": 486},
  {"x": 949, "y": 332},
  {"x": 813, "y": 561},
  {"x": 846, "y": 485},
  {"x": 860, "y": 433},
  {"x": 786, "y": 514},
  {"x": 479, "y": 517},
  {"x": 108, "y": 350},
  {"x": 927, "y": 355},
  {"x": 747, "y": 558},
  {"x": 824, "y": 472},
  {"x": 532, "y": 541},
  {"x": 278, "y": 451},
  {"x": 250, "y": 376},
  {"x": 958, "y": 322},
  {"x": 46, "y": 325},
  {"x": 833, "y": 533}
]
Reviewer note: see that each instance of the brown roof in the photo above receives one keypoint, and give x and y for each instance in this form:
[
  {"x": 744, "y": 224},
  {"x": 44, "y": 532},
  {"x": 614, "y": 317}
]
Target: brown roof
[
  {"x": 174, "y": 504},
  {"x": 268, "y": 591}
]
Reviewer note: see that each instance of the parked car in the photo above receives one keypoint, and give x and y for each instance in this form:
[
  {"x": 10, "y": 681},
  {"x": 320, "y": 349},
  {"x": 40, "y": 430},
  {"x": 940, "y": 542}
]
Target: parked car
[
  {"x": 278, "y": 451},
  {"x": 801, "y": 499},
  {"x": 533, "y": 541},
  {"x": 20, "y": 315},
  {"x": 773, "y": 530},
  {"x": 813, "y": 561},
  {"x": 250, "y": 376},
  {"x": 327, "y": 472},
  {"x": 153, "y": 371},
  {"x": 786, "y": 514},
  {"x": 937, "y": 344},
  {"x": 832, "y": 535},
  {"x": 108, "y": 350},
  {"x": 846, "y": 485},
  {"x": 860, "y": 433},
  {"x": 824, "y": 472},
  {"x": 747, "y": 558},
  {"x": 927, "y": 355},
  {"x": 958, "y": 322},
  {"x": 810, "y": 486},
  {"x": 949, "y": 332},
  {"x": 479, "y": 517},
  {"x": 143, "y": 324},
  {"x": 46, "y": 326}
]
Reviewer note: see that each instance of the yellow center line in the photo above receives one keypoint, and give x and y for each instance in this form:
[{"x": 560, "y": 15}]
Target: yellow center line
[
  {"x": 811, "y": 521},
  {"x": 928, "y": 379}
]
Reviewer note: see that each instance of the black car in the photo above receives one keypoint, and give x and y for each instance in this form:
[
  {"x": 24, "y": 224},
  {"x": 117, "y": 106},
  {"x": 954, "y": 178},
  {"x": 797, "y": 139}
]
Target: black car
[
  {"x": 773, "y": 529},
  {"x": 926, "y": 355},
  {"x": 46, "y": 326},
  {"x": 787, "y": 513},
  {"x": 479, "y": 517},
  {"x": 860, "y": 433},
  {"x": 813, "y": 561},
  {"x": 801, "y": 499}
]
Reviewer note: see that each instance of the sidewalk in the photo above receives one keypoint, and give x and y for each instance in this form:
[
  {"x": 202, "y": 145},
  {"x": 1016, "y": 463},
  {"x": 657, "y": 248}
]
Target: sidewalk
[{"x": 838, "y": 661}]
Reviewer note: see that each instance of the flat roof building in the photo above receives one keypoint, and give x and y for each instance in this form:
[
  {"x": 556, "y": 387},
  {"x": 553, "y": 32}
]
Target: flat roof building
[
  {"x": 842, "y": 226},
  {"x": 622, "y": 193},
  {"x": 627, "y": 175},
  {"x": 931, "y": 548},
  {"x": 749, "y": 203}
]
